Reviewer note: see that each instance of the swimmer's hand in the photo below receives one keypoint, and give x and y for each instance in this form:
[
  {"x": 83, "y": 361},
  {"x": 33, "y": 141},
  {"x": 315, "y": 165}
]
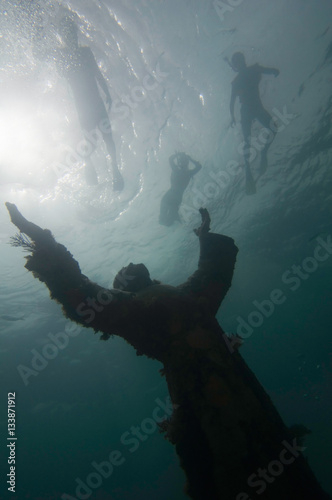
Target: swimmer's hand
[
  {"x": 193, "y": 161},
  {"x": 233, "y": 122},
  {"x": 276, "y": 72}
]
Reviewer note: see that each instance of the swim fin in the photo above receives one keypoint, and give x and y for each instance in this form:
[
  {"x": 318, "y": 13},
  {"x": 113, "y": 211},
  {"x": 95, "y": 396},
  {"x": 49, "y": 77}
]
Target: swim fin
[
  {"x": 250, "y": 183},
  {"x": 263, "y": 163}
]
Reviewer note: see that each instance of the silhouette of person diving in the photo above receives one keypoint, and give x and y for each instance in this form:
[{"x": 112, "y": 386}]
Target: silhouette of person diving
[
  {"x": 245, "y": 86},
  {"x": 78, "y": 66},
  {"x": 180, "y": 178},
  {"x": 223, "y": 425}
]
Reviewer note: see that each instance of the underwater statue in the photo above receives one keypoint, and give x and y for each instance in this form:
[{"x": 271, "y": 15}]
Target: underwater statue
[
  {"x": 245, "y": 86},
  {"x": 180, "y": 178},
  {"x": 231, "y": 441}
]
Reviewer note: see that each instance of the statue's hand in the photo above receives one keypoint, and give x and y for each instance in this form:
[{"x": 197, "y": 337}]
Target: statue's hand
[
  {"x": 205, "y": 226},
  {"x": 36, "y": 233}
]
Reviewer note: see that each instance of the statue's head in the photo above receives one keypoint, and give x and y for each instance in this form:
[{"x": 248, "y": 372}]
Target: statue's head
[
  {"x": 133, "y": 278},
  {"x": 68, "y": 31},
  {"x": 238, "y": 61}
]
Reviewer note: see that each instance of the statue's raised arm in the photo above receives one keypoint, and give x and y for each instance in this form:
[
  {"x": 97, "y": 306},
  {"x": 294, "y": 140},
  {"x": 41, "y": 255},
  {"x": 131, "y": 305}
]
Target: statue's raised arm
[
  {"x": 213, "y": 278},
  {"x": 82, "y": 300}
]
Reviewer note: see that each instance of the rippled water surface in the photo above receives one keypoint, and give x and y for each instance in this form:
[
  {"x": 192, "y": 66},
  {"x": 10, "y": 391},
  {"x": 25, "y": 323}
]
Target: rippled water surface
[{"x": 165, "y": 64}]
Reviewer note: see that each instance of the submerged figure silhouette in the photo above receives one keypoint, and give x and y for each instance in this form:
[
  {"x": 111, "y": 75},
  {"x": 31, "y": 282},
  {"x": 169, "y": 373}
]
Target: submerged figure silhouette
[
  {"x": 245, "y": 86},
  {"x": 224, "y": 425},
  {"x": 78, "y": 65},
  {"x": 180, "y": 178}
]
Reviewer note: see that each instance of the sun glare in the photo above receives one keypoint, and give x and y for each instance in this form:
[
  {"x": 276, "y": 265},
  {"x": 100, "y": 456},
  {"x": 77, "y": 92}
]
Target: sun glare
[
  {"x": 26, "y": 140},
  {"x": 21, "y": 139}
]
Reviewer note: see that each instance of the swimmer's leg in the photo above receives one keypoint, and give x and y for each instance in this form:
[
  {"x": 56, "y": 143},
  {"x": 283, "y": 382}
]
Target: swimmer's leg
[
  {"x": 164, "y": 216},
  {"x": 118, "y": 182},
  {"x": 250, "y": 183},
  {"x": 169, "y": 208},
  {"x": 267, "y": 121},
  {"x": 246, "y": 121}
]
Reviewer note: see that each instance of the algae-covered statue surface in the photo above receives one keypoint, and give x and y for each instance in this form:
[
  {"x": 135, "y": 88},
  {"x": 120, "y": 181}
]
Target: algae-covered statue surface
[{"x": 231, "y": 441}]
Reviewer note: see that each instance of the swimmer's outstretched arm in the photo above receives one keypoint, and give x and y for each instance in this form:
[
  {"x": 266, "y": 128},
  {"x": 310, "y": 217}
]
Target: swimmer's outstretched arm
[
  {"x": 213, "y": 277},
  {"x": 269, "y": 71},
  {"x": 83, "y": 301}
]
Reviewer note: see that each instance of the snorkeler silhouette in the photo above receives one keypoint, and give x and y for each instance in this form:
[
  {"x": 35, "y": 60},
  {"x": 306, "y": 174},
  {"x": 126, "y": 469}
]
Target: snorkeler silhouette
[
  {"x": 78, "y": 65},
  {"x": 180, "y": 178},
  {"x": 246, "y": 86},
  {"x": 223, "y": 423}
]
